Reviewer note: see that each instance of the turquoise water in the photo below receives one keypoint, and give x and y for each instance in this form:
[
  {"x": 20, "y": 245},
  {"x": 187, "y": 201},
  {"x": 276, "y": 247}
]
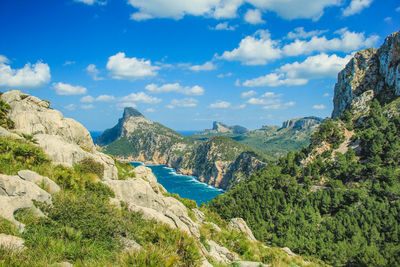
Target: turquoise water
[{"x": 183, "y": 185}]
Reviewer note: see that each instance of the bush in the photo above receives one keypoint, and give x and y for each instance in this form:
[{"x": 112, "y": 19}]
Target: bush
[{"x": 88, "y": 165}]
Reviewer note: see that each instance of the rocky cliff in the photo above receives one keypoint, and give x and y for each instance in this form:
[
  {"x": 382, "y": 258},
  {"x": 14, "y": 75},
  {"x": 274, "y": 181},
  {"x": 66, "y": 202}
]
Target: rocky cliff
[
  {"x": 215, "y": 161},
  {"x": 369, "y": 73},
  {"x": 301, "y": 123}
]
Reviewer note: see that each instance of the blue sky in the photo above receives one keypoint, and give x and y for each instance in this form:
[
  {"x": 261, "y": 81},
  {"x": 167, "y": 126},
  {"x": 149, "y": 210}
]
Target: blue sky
[{"x": 187, "y": 63}]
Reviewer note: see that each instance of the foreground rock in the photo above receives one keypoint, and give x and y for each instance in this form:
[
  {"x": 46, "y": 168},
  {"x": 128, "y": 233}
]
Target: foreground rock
[
  {"x": 240, "y": 225},
  {"x": 11, "y": 242},
  {"x": 39, "y": 180},
  {"x": 64, "y": 140}
]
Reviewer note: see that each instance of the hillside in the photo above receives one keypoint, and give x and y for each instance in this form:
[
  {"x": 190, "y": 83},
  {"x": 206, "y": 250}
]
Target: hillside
[
  {"x": 62, "y": 203},
  {"x": 273, "y": 141},
  {"x": 338, "y": 199},
  {"x": 220, "y": 162}
]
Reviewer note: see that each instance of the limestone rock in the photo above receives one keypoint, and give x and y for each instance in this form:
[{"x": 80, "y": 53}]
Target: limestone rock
[
  {"x": 301, "y": 123},
  {"x": 369, "y": 69},
  {"x": 240, "y": 225},
  {"x": 130, "y": 244},
  {"x": 5, "y": 133},
  {"x": 11, "y": 242},
  {"x": 33, "y": 177},
  {"x": 250, "y": 264},
  {"x": 288, "y": 252},
  {"x": 221, "y": 253},
  {"x": 199, "y": 215},
  {"x": 213, "y": 225},
  {"x": 16, "y": 193},
  {"x": 143, "y": 196},
  {"x": 34, "y": 116}
]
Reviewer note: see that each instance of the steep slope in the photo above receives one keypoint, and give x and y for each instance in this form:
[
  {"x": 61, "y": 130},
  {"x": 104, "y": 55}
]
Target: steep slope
[
  {"x": 338, "y": 199},
  {"x": 272, "y": 140},
  {"x": 219, "y": 127},
  {"x": 57, "y": 213},
  {"x": 218, "y": 161}
]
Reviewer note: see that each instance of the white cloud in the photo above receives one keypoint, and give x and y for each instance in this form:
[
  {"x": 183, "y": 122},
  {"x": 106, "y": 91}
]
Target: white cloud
[
  {"x": 273, "y": 80},
  {"x": 327, "y": 95},
  {"x": 316, "y": 67},
  {"x": 355, "y": 7},
  {"x": 300, "y": 33},
  {"x": 150, "y": 110},
  {"x": 348, "y": 41},
  {"x": 87, "y": 99},
  {"x": 88, "y": 106},
  {"x": 67, "y": 89},
  {"x": 68, "y": 62},
  {"x": 220, "y": 104},
  {"x": 125, "y": 105},
  {"x": 319, "y": 107},
  {"x": 294, "y": 74},
  {"x": 223, "y": 75},
  {"x": 94, "y": 72},
  {"x": 140, "y": 97},
  {"x": 105, "y": 98},
  {"x": 91, "y": 2},
  {"x": 175, "y": 87},
  {"x": 388, "y": 19},
  {"x": 70, "y": 107},
  {"x": 205, "y": 67},
  {"x": 270, "y": 100},
  {"x": 177, "y": 9},
  {"x": 398, "y": 9},
  {"x": 253, "y": 16},
  {"x": 248, "y": 94},
  {"x": 29, "y": 76},
  {"x": 122, "y": 67},
  {"x": 184, "y": 103},
  {"x": 237, "y": 83},
  {"x": 223, "y": 26},
  {"x": 255, "y": 50}
]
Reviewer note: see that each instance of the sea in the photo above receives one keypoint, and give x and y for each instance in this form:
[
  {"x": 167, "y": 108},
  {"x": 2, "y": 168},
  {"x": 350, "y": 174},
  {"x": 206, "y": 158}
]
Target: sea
[{"x": 183, "y": 185}]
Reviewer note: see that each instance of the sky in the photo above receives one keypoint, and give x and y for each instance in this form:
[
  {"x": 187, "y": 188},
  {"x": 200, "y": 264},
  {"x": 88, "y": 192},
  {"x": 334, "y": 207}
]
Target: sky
[{"x": 187, "y": 63}]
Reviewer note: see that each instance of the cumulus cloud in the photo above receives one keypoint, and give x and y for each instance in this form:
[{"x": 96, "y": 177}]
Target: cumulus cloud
[
  {"x": 356, "y": 6},
  {"x": 122, "y": 67},
  {"x": 126, "y": 105},
  {"x": 184, "y": 103},
  {"x": 87, "y": 99},
  {"x": 150, "y": 110},
  {"x": 105, "y": 98},
  {"x": 70, "y": 107},
  {"x": 253, "y": 16},
  {"x": 175, "y": 87},
  {"x": 270, "y": 100},
  {"x": 258, "y": 49},
  {"x": 220, "y": 104},
  {"x": 88, "y": 106},
  {"x": 92, "y": 2},
  {"x": 31, "y": 75},
  {"x": 248, "y": 94},
  {"x": 294, "y": 74},
  {"x": 319, "y": 107},
  {"x": 68, "y": 62},
  {"x": 223, "y": 75},
  {"x": 205, "y": 67},
  {"x": 67, "y": 89},
  {"x": 140, "y": 97},
  {"x": 219, "y": 9},
  {"x": 300, "y": 33},
  {"x": 94, "y": 72},
  {"x": 223, "y": 26},
  {"x": 348, "y": 41}
]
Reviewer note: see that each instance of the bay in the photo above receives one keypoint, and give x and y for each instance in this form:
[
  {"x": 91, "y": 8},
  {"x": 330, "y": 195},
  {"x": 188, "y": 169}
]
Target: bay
[{"x": 183, "y": 185}]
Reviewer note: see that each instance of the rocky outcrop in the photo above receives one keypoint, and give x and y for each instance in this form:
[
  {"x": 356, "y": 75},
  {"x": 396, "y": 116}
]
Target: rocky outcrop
[
  {"x": 64, "y": 140},
  {"x": 39, "y": 180},
  {"x": 240, "y": 225},
  {"x": 377, "y": 71},
  {"x": 220, "y": 253},
  {"x": 301, "y": 123},
  {"x": 219, "y": 127},
  {"x": 11, "y": 242},
  {"x": 142, "y": 194},
  {"x": 17, "y": 193}
]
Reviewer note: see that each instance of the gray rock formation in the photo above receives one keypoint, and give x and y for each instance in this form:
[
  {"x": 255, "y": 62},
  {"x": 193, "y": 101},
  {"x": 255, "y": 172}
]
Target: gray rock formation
[
  {"x": 17, "y": 193},
  {"x": 140, "y": 195},
  {"x": 250, "y": 264},
  {"x": 369, "y": 69},
  {"x": 11, "y": 242},
  {"x": 301, "y": 123},
  {"x": 240, "y": 225},
  {"x": 39, "y": 180},
  {"x": 220, "y": 253},
  {"x": 64, "y": 140}
]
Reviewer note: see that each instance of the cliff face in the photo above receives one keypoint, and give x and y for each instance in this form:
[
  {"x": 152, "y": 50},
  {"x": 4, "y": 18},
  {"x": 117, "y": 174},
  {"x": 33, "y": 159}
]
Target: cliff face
[
  {"x": 219, "y": 127},
  {"x": 369, "y": 72},
  {"x": 138, "y": 139},
  {"x": 301, "y": 123}
]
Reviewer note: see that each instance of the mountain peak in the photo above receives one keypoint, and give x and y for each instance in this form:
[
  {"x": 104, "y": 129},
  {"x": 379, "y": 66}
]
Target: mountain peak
[{"x": 131, "y": 112}]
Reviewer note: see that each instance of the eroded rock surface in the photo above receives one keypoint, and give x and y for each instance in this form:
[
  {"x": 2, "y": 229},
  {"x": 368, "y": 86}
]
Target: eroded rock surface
[{"x": 240, "y": 225}]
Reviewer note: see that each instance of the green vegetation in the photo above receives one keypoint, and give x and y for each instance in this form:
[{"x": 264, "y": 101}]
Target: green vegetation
[
  {"x": 4, "y": 121},
  {"x": 341, "y": 208}
]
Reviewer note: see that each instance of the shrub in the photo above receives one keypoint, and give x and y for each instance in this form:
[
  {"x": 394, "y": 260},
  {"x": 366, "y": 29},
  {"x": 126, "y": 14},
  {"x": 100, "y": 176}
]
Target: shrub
[{"x": 88, "y": 165}]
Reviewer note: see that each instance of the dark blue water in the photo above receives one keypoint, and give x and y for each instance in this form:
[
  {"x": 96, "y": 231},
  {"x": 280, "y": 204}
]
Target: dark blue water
[
  {"x": 187, "y": 133},
  {"x": 183, "y": 185},
  {"x": 95, "y": 134}
]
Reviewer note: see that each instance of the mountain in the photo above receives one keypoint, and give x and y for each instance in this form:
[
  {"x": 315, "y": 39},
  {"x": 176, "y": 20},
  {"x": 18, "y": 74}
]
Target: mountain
[
  {"x": 339, "y": 198},
  {"x": 273, "y": 141},
  {"x": 216, "y": 161},
  {"x": 219, "y": 127},
  {"x": 63, "y": 203}
]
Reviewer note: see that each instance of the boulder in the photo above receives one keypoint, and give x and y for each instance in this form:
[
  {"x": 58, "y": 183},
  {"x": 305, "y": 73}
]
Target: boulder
[
  {"x": 220, "y": 253},
  {"x": 5, "y": 133},
  {"x": 288, "y": 252},
  {"x": 214, "y": 226},
  {"x": 240, "y": 225},
  {"x": 250, "y": 264},
  {"x": 11, "y": 242},
  {"x": 130, "y": 244},
  {"x": 39, "y": 180},
  {"x": 199, "y": 215}
]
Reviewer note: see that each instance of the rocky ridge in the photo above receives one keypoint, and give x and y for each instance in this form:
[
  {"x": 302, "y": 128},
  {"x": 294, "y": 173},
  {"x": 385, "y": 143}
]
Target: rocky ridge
[{"x": 369, "y": 73}]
